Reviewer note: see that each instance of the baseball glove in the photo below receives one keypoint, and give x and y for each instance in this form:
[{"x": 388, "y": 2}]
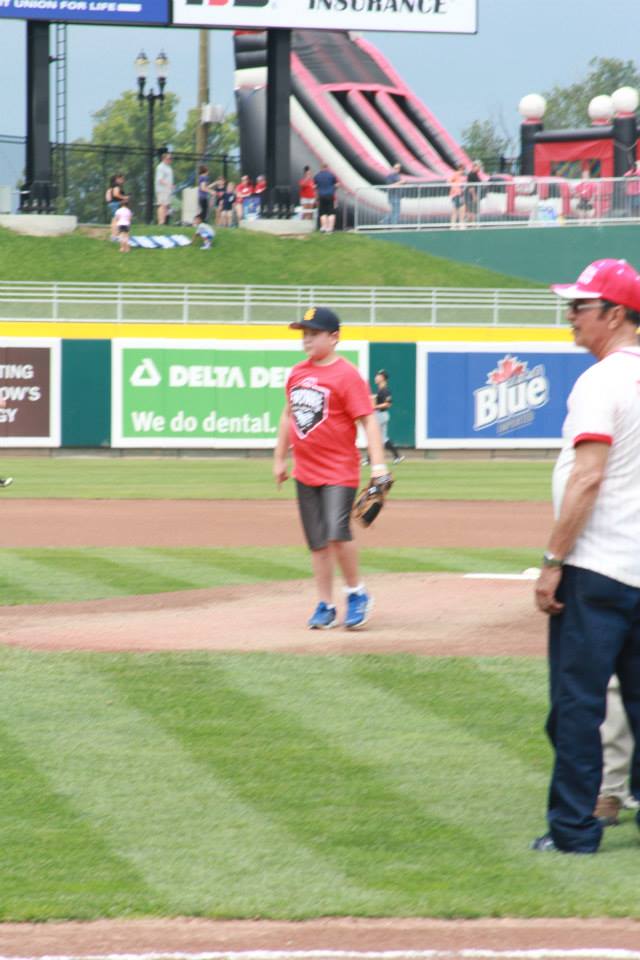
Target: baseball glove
[{"x": 370, "y": 501}]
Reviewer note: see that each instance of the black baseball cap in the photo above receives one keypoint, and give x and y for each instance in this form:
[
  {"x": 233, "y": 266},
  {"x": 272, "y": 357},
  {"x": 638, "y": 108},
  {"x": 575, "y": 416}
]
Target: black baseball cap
[{"x": 317, "y": 318}]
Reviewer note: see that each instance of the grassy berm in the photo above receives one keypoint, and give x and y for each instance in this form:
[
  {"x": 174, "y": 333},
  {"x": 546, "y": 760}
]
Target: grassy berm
[{"x": 237, "y": 256}]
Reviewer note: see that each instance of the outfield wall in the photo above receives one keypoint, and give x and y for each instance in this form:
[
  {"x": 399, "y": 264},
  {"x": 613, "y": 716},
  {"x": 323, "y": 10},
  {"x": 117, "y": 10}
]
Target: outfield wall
[{"x": 139, "y": 386}]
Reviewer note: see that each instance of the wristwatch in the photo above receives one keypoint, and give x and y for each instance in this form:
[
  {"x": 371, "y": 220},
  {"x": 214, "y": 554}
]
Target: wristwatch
[{"x": 551, "y": 560}]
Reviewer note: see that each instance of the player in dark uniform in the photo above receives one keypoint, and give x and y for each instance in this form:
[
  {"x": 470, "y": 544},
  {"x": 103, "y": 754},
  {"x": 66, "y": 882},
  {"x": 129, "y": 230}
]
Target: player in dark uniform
[{"x": 382, "y": 402}]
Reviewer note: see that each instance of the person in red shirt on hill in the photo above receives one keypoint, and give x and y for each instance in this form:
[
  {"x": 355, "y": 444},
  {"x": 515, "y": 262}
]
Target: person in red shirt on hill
[
  {"x": 307, "y": 191},
  {"x": 326, "y": 399},
  {"x": 244, "y": 190}
]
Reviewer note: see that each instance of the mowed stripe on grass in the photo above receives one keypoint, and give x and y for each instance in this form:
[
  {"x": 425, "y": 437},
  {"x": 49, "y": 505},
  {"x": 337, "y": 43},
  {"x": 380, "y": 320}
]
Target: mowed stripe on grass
[
  {"x": 49, "y": 575},
  {"x": 264, "y": 785}
]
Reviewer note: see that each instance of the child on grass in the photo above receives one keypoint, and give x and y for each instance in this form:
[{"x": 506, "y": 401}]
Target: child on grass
[
  {"x": 204, "y": 231},
  {"x": 122, "y": 219},
  {"x": 326, "y": 399}
]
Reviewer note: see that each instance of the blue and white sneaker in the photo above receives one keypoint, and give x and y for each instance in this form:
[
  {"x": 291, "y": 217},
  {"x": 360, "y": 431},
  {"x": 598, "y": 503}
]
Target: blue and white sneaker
[
  {"x": 359, "y": 606},
  {"x": 324, "y": 617}
]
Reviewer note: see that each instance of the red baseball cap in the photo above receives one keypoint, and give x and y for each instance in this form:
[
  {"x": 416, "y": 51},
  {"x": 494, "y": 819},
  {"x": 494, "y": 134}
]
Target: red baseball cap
[{"x": 613, "y": 280}]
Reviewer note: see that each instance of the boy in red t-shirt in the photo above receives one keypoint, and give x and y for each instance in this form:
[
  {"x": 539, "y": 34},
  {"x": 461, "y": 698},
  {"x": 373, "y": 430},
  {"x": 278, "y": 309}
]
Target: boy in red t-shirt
[{"x": 326, "y": 399}]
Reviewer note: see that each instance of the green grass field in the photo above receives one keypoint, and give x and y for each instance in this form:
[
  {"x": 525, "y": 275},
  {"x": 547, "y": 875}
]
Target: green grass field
[
  {"x": 264, "y": 785},
  {"x": 250, "y": 478},
  {"x": 238, "y": 256},
  {"x": 280, "y": 786}
]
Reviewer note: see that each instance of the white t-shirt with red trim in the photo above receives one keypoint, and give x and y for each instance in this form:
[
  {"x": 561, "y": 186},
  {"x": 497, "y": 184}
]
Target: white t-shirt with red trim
[
  {"x": 325, "y": 401},
  {"x": 604, "y": 406}
]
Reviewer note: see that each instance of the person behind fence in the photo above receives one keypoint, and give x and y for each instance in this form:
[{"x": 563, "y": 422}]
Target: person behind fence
[
  {"x": 307, "y": 194},
  {"x": 260, "y": 191},
  {"x": 589, "y": 585},
  {"x": 393, "y": 180},
  {"x": 472, "y": 192},
  {"x": 164, "y": 187},
  {"x": 227, "y": 203},
  {"x": 123, "y": 219},
  {"x": 114, "y": 196},
  {"x": 326, "y": 185},
  {"x": 633, "y": 189},
  {"x": 585, "y": 192},
  {"x": 204, "y": 191},
  {"x": 244, "y": 191},
  {"x": 456, "y": 196},
  {"x": 204, "y": 232}
]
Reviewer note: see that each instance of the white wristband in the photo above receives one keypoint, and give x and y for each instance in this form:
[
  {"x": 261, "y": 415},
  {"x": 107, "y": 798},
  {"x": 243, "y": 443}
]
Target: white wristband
[{"x": 378, "y": 466}]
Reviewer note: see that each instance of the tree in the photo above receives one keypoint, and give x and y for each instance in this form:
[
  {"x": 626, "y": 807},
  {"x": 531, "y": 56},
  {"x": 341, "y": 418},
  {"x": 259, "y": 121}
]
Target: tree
[
  {"x": 483, "y": 141},
  {"x": 567, "y": 106},
  {"x": 119, "y": 145}
]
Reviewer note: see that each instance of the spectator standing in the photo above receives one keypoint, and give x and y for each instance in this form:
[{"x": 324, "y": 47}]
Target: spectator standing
[
  {"x": 217, "y": 190},
  {"x": 260, "y": 191},
  {"x": 472, "y": 192},
  {"x": 227, "y": 204},
  {"x": 633, "y": 189},
  {"x": 393, "y": 180},
  {"x": 585, "y": 192},
  {"x": 590, "y": 580},
  {"x": 114, "y": 196},
  {"x": 164, "y": 187},
  {"x": 456, "y": 196},
  {"x": 244, "y": 191},
  {"x": 307, "y": 193},
  {"x": 326, "y": 184},
  {"x": 123, "y": 219},
  {"x": 204, "y": 191}
]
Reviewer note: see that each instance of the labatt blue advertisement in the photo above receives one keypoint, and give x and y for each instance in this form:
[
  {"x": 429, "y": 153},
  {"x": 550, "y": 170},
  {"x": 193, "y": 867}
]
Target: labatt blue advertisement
[
  {"x": 88, "y": 11},
  {"x": 508, "y": 395}
]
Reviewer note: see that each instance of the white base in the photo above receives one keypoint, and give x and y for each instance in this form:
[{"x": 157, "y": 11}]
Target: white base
[{"x": 38, "y": 224}]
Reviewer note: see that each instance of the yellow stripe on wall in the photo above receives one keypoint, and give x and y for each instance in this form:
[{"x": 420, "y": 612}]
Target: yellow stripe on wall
[{"x": 226, "y": 331}]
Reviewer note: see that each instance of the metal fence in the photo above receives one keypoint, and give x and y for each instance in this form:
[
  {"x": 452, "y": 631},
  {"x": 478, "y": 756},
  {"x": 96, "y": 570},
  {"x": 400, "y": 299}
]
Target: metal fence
[
  {"x": 518, "y": 201},
  {"x": 235, "y": 304},
  {"x": 82, "y": 172}
]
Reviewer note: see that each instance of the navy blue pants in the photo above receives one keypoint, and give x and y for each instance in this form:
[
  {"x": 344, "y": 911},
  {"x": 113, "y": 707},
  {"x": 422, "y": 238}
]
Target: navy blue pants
[{"x": 596, "y": 635}]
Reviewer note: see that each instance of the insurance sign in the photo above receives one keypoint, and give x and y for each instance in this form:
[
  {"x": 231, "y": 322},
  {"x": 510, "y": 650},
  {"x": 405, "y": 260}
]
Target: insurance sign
[
  {"x": 411, "y": 16},
  {"x": 88, "y": 11},
  {"x": 224, "y": 394}
]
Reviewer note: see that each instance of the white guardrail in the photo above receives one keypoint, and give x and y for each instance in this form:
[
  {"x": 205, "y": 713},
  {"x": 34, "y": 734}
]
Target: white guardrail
[
  {"x": 498, "y": 202},
  {"x": 227, "y": 303}
]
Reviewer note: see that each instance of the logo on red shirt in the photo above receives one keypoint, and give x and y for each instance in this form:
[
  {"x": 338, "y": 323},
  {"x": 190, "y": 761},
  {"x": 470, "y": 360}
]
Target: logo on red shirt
[{"x": 309, "y": 405}]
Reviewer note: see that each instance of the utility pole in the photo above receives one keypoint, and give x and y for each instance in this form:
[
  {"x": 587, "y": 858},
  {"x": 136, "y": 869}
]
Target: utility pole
[{"x": 202, "y": 129}]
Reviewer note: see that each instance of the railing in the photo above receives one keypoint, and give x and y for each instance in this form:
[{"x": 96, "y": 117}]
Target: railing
[
  {"x": 520, "y": 201},
  {"x": 235, "y": 304}
]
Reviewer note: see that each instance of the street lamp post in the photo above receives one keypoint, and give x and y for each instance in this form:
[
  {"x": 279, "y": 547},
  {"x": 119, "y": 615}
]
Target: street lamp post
[{"x": 141, "y": 64}]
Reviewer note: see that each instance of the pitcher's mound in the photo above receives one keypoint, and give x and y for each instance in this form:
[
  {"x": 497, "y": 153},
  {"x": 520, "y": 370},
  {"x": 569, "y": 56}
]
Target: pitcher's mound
[{"x": 429, "y": 614}]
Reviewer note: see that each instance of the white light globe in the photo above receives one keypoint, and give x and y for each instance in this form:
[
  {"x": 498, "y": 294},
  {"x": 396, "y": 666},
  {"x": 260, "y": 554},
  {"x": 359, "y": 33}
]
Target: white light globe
[
  {"x": 600, "y": 109},
  {"x": 625, "y": 100},
  {"x": 532, "y": 107}
]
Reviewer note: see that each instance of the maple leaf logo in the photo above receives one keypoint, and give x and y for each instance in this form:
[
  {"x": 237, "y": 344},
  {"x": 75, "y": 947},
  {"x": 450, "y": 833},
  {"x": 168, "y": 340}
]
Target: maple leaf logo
[{"x": 507, "y": 368}]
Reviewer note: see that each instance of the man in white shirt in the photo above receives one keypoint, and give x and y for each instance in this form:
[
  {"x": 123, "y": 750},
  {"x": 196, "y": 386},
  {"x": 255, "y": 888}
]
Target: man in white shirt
[
  {"x": 164, "y": 187},
  {"x": 590, "y": 580}
]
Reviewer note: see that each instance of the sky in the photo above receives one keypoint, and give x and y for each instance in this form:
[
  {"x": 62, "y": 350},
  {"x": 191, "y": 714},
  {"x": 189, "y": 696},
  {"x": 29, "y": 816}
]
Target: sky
[{"x": 522, "y": 46}]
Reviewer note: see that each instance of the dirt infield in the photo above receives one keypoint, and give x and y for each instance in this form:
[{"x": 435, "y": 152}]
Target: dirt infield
[
  {"x": 244, "y": 523},
  {"x": 424, "y": 614},
  {"x": 497, "y": 938}
]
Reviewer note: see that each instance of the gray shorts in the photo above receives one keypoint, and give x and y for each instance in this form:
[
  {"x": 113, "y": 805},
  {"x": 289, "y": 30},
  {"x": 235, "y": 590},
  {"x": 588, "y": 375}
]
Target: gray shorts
[{"x": 325, "y": 513}]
